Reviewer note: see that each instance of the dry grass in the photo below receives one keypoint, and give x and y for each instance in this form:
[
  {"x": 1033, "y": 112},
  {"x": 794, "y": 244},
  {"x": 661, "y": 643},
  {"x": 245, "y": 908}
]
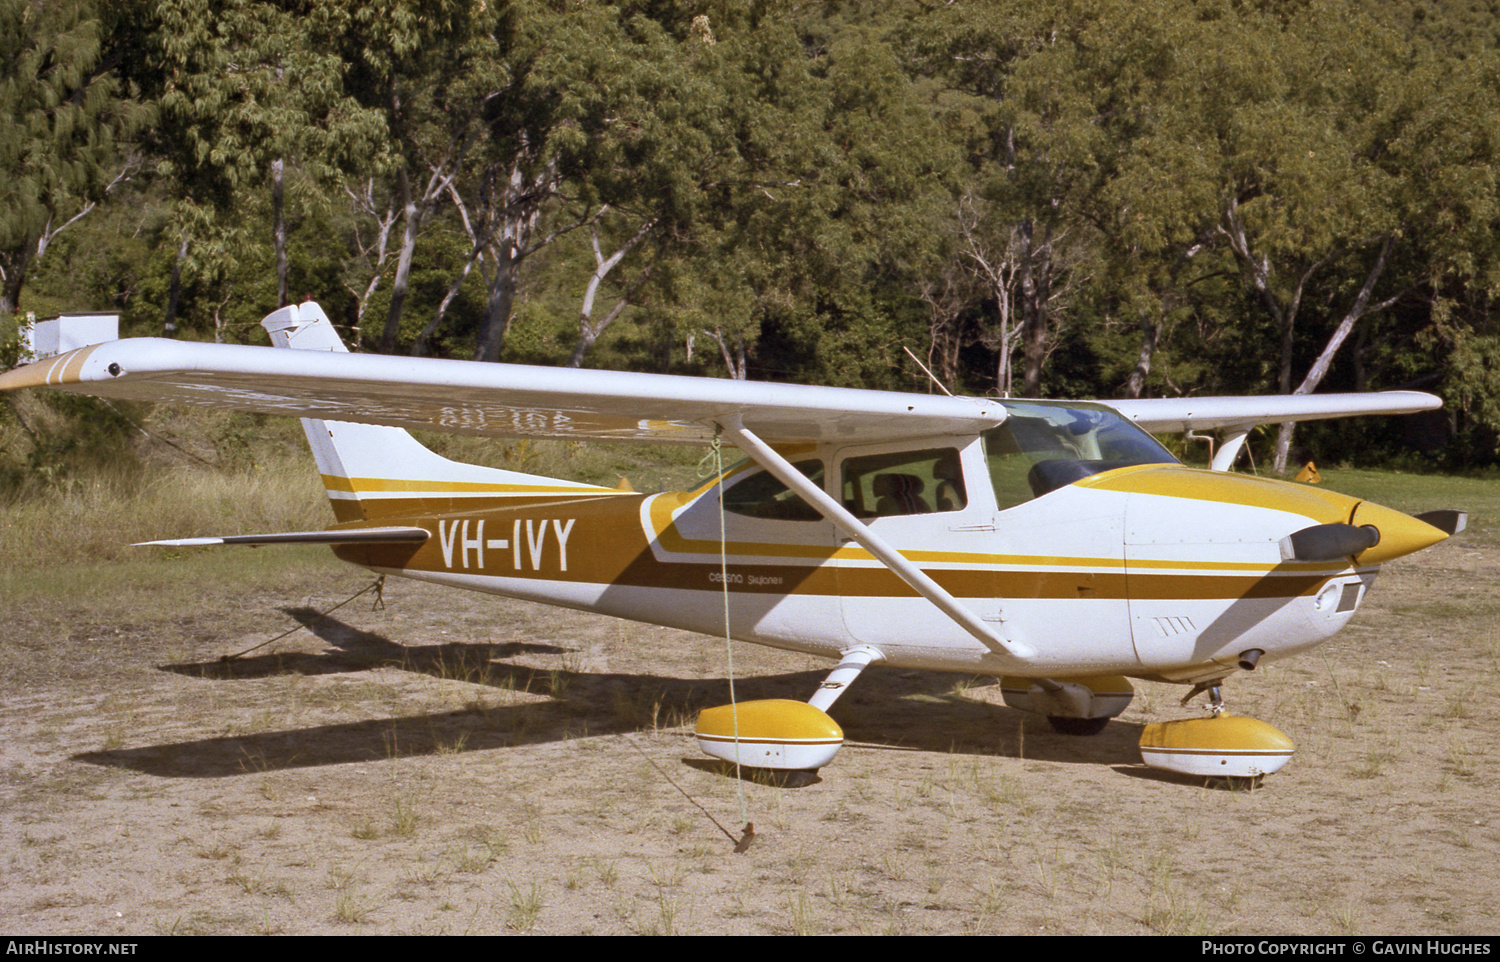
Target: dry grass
[
  {"x": 97, "y": 519},
  {"x": 458, "y": 764}
]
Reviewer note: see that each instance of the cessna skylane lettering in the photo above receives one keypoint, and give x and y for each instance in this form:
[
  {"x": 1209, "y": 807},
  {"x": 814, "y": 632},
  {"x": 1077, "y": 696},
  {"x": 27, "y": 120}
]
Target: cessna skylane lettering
[{"x": 1057, "y": 545}]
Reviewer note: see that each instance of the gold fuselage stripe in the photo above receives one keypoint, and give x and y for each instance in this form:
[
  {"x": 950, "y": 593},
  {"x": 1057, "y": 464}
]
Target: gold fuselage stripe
[
  {"x": 608, "y": 546},
  {"x": 672, "y": 541},
  {"x": 1176, "y": 481}
]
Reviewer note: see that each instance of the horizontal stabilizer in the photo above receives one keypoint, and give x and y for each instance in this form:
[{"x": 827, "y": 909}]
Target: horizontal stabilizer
[{"x": 401, "y": 535}]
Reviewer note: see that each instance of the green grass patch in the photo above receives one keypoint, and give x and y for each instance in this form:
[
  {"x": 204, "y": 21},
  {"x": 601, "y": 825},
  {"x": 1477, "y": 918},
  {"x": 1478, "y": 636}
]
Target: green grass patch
[{"x": 1415, "y": 493}]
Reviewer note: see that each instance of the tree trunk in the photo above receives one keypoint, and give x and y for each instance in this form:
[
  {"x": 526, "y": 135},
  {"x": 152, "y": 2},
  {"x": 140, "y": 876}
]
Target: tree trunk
[
  {"x": 734, "y": 358},
  {"x": 1136, "y": 383},
  {"x": 502, "y": 287},
  {"x": 278, "y": 228},
  {"x": 1036, "y": 291},
  {"x": 424, "y": 340},
  {"x": 589, "y": 333},
  {"x": 15, "y": 274},
  {"x": 169, "y": 322},
  {"x": 411, "y": 221},
  {"x": 519, "y": 208},
  {"x": 588, "y": 329},
  {"x": 1319, "y": 369}
]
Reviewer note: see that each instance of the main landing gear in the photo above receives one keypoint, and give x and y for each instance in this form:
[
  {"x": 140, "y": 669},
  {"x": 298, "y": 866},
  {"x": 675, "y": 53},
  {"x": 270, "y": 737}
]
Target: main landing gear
[
  {"x": 784, "y": 735},
  {"x": 1221, "y": 745},
  {"x": 781, "y": 734},
  {"x": 1078, "y": 706}
]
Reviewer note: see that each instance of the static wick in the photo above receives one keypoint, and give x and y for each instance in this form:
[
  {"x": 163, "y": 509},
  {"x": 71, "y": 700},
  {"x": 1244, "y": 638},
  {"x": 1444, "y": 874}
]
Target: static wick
[{"x": 743, "y": 845}]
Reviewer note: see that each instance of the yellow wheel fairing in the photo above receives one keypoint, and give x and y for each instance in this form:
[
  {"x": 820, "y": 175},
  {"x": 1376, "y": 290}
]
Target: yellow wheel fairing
[
  {"x": 775, "y": 733},
  {"x": 1226, "y": 745},
  {"x": 779, "y": 719}
]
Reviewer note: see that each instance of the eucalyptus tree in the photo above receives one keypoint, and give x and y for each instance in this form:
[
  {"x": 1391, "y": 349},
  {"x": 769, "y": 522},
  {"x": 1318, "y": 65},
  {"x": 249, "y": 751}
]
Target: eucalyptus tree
[
  {"x": 430, "y": 70},
  {"x": 1353, "y": 168},
  {"x": 243, "y": 94},
  {"x": 657, "y": 147},
  {"x": 67, "y": 121},
  {"x": 1040, "y": 131},
  {"x": 811, "y": 200}
]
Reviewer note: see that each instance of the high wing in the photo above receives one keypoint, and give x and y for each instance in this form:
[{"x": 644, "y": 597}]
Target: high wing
[
  {"x": 1236, "y": 416},
  {"x": 508, "y": 400},
  {"x": 1171, "y": 415},
  {"x": 502, "y": 400}
]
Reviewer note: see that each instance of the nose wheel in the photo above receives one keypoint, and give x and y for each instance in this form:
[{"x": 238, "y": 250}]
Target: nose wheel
[{"x": 1222, "y": 745}]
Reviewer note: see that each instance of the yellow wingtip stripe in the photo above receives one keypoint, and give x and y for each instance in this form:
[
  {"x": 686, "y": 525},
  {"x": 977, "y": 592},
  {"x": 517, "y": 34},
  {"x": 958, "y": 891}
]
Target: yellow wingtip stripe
[{"x": 49, "y": 372}]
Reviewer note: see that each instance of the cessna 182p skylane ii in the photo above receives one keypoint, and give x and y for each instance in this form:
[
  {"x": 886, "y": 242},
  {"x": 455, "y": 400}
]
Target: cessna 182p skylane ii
[{"x": 1056, "y": 544}]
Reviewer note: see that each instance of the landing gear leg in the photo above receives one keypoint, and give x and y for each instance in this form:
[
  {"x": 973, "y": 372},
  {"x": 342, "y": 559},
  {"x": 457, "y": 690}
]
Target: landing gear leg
[
  {"x": 780, "y": 734},
  {"x": 1215, "y": 696}
]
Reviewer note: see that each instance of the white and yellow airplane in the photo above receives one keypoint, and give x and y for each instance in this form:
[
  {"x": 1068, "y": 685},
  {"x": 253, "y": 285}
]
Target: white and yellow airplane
[{"x": 1055, "y": 544}]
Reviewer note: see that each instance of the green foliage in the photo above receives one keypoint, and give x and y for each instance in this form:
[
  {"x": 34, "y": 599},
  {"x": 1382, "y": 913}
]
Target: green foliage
[
  {"x": 1069, "y": 197},
  {"x": 65, "y": 119}
]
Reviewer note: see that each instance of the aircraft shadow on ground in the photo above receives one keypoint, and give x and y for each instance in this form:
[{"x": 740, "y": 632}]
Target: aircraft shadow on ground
[{"x": 886, "y": 710}]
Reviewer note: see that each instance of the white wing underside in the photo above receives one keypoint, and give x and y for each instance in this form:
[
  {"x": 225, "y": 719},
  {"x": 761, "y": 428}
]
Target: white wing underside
[
  {"x": 507, "y": 400},
  {"x": 1171, "y": 415}
]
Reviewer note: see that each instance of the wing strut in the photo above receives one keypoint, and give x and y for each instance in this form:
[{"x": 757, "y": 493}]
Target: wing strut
[
  {"x": 1234, "y": 440},
  {"x": 1015, "y": 654}
]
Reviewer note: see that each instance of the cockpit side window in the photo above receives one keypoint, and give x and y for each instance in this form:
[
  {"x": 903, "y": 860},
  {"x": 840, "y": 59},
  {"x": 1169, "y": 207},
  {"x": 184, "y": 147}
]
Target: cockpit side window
[
  {"x": 904, "y": 482},
  {"x": 760, "y": 495},
  {"x": 1042, "y": 447}
]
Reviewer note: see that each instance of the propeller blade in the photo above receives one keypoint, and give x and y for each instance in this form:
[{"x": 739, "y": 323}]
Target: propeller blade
[
  {"x": 1446, "y": 520},
  {"x": 1328, "y": 542}
]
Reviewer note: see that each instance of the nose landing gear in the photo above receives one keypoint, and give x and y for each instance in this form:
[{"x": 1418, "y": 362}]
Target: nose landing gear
[{"x": 1222, "y": 745}]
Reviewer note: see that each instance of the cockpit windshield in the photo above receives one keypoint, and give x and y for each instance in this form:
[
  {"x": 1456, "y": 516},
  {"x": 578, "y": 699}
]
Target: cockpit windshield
[{"x": 1043, "y": 446}]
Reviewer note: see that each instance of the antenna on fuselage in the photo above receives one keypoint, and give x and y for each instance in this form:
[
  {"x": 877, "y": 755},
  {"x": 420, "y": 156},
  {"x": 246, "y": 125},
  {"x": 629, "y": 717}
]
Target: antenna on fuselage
[{"x": 925, "y": 371}]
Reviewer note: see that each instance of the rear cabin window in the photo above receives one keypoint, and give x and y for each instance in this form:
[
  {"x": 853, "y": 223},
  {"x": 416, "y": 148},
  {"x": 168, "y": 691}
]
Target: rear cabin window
[
  {"x": 904, "y": 482},
  {"x": 1042, "y": 447},
  {"x": 762, "y": 496}
]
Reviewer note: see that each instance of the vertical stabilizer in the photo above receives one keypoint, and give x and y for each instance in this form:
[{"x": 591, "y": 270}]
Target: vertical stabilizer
[{"x": 372, "y": 471}]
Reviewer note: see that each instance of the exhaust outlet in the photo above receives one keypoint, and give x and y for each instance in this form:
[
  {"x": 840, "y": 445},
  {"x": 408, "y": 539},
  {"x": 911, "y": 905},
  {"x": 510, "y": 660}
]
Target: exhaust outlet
[{"x": 1250, "y": 657}]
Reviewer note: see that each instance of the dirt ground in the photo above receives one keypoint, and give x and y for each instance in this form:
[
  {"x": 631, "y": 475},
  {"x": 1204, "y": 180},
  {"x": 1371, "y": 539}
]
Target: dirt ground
[{"x": 463, "y": 764}]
